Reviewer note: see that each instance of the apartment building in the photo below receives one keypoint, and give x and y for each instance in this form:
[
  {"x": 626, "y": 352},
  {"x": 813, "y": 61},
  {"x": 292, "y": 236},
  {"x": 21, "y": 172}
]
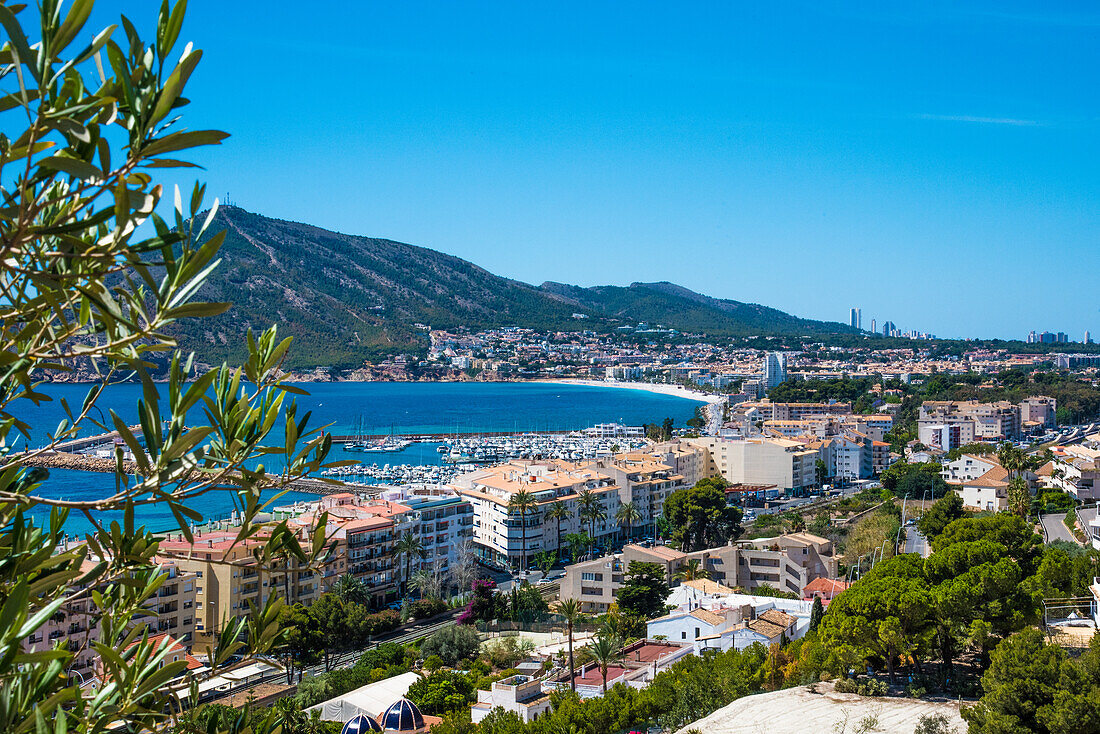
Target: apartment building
[
  {"x": 639, "y": 477},
  {"x": 1076, "y": 469},
  {"x": 227, "y": 578},
  {"x": 788, "y": 562},
  {"x": 845, "y": 457},
  {"x": 498, "y": 533},
  {"x": 786, "y": 463},
  {"x": 171, "y": 610},
  {"x": 973, "y": 421},
  {"x": 968, "y": 467},
  {"x": 1038, "y": 413},
  {"x": 369, "y": 526},
  {"x": 799, "y": 411},
  {"x": 644, "y": 480},
  {"x": 685, "y": 459}
]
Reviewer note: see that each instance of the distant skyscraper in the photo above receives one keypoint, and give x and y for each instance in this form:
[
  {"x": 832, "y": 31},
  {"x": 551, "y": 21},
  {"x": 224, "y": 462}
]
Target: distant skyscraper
[
  {"x": 1088, "y": 337},
  {"x": 873, "y": 327},
  {"x": 1032, "y": 338},
  {"x": 775, "y": 369},
  {"x": 855, "y": 319}
]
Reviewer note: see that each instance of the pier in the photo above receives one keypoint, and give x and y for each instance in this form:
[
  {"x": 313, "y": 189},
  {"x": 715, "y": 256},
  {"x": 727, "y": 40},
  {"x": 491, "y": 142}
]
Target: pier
[
  {"x": 77, "y": 445},
  {"x": 102, "y": 465}
]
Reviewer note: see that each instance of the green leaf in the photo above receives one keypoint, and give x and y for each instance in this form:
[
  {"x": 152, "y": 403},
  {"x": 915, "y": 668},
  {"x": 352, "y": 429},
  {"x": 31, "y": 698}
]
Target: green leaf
[
  {"x": 172, "y": 28},
  {"x": 74, "y": 167},
  {"x": 183, "y": 141},
  {"x": 175, "y": 84},
  {"x": 74, "y": 22}
]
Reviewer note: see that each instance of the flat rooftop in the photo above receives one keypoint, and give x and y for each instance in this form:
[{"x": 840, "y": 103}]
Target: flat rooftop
[
  {"x": 647, "y": 653},
  {"x": 593, "y": 677}
]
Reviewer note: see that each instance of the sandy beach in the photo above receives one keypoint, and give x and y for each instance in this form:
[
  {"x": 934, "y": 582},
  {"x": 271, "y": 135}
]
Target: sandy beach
[{"x": 674, "y": 390}]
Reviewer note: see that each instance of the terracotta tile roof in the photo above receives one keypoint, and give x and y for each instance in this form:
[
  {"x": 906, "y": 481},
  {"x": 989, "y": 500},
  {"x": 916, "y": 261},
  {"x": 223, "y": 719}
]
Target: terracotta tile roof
[
  {"x": 996, "y": 477},
  {"x": 823, "y": 585},
  {"x": 709, "y": 587},
  {"x": 777, "y": 617},
  {"x": 766, "y": 628},
  {"x": 709, "y": 617},
  {"x": 662, "y": 551}
]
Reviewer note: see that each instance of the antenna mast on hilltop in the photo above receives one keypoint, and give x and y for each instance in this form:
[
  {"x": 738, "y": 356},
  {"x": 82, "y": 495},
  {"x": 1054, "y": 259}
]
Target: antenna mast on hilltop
[{"x": 227, "y": 199}]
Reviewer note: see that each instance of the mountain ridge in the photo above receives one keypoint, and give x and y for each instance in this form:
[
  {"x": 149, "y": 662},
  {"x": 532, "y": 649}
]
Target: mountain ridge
[{"x": 350, "y": 298}]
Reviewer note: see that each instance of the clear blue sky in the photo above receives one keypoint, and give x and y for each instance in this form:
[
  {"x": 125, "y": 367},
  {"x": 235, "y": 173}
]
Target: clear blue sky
[{"x": 939, "y": 168}]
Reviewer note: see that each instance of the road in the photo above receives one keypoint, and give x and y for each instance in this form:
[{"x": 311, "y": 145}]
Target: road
[
  {"x": 915, "y": 542},
  {"x": 1087, "y": 515},
  {"x": 1054, "y": 528}
]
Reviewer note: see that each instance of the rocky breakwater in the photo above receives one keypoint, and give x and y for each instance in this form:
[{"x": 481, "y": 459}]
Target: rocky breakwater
[{"x": 78, "y": 462}]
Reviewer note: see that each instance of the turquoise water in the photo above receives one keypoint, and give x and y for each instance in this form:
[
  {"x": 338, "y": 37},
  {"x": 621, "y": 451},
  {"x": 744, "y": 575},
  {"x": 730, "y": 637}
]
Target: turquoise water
[{"x": 379, "y": 407}]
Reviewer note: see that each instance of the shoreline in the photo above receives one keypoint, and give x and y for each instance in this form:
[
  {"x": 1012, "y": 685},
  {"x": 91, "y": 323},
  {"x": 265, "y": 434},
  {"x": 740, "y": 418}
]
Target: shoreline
[{"x": 676, "y": 391}]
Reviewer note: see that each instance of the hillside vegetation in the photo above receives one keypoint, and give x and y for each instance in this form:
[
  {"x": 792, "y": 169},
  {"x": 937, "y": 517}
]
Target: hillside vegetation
[{"x": 348, "y": 298}]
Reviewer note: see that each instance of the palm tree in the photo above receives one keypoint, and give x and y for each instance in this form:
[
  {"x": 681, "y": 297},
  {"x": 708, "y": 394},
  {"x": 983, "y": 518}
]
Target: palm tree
[
  {"x": 692, "y": 570},
  {"x": 524, "y": 503},
  {"x": 627, "y": 515},
  {"x": 592, "y": 510},
  {"x": 570, "y": 609},
  {"x": 351, "y": 589},
  {"x": 408, "y": 546},
  {"x": 425, "y": 583},
  {"x": 578, "y": 544},
  {"x": 1014, "y": 461},
  {"x": 559, "y": 512},
  {"x": 604, "y": 651}
]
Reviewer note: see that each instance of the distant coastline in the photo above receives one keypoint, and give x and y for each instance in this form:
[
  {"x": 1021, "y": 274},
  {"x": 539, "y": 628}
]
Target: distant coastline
[{"x": 676, "y": 391}]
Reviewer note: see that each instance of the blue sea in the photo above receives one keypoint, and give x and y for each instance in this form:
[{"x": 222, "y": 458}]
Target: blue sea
[{"x": 374, "y": 407}]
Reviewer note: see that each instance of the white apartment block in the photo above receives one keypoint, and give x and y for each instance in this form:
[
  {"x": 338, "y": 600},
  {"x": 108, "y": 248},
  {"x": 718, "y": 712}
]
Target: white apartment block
[
  {"x": 640, "y": 478},
  {"x": 786, "y": 463},
  {"x": 968, "y": 467},
  {"x": 497, "y": 530},
  {"x": 787, "y": 562},
  {"x": 1078, "y": 471},
  {"x": 976, "y": 421}
]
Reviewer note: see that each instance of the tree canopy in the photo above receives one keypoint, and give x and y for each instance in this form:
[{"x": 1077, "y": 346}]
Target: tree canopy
[
  {"x": 700, "y": 516},
  {"x": 644, "y": 590}
]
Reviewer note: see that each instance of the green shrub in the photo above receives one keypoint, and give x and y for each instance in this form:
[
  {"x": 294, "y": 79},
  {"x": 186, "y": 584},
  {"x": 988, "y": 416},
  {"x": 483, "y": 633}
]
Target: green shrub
[
  {"x": 846, "y": 685},
  {"x": 424, "y": 608},
  {"x": 873, "y": 687},
  {"x": 441, "y": 692},
  {"x": 454, "y": 643}
]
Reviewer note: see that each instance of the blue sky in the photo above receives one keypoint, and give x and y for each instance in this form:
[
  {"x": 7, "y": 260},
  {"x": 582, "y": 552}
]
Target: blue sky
[{"x": 938, "y": 168}]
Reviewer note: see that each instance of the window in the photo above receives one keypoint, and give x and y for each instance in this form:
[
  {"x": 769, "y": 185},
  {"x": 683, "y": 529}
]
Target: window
[
  {"x": 697, "y": 633},
  {"x": 591, "y": 577},
  {"x": 683, "y": 635}
]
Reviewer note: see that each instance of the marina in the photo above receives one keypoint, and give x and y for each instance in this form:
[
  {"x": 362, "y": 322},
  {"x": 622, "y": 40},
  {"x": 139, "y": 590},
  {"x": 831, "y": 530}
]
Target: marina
[{"x": 460, "y": 455}]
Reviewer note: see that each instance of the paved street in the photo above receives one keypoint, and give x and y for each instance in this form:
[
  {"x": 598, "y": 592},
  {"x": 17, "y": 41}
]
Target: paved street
[
  {"x": 1054, "y": 528},
  {"x": 1087, "y": 515},
  {"x": 915, "y": 542}
]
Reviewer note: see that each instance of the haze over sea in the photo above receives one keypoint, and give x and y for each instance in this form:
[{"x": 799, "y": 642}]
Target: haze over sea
[{"x": 374, "y": 407}]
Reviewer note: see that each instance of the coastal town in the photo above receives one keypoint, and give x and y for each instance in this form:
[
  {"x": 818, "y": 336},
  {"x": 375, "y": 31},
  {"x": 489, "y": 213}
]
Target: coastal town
[
  {"x": 569, "y": 521},
  {"x": 549, "y": 368},
  {"x": 652, "y": 354}
]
